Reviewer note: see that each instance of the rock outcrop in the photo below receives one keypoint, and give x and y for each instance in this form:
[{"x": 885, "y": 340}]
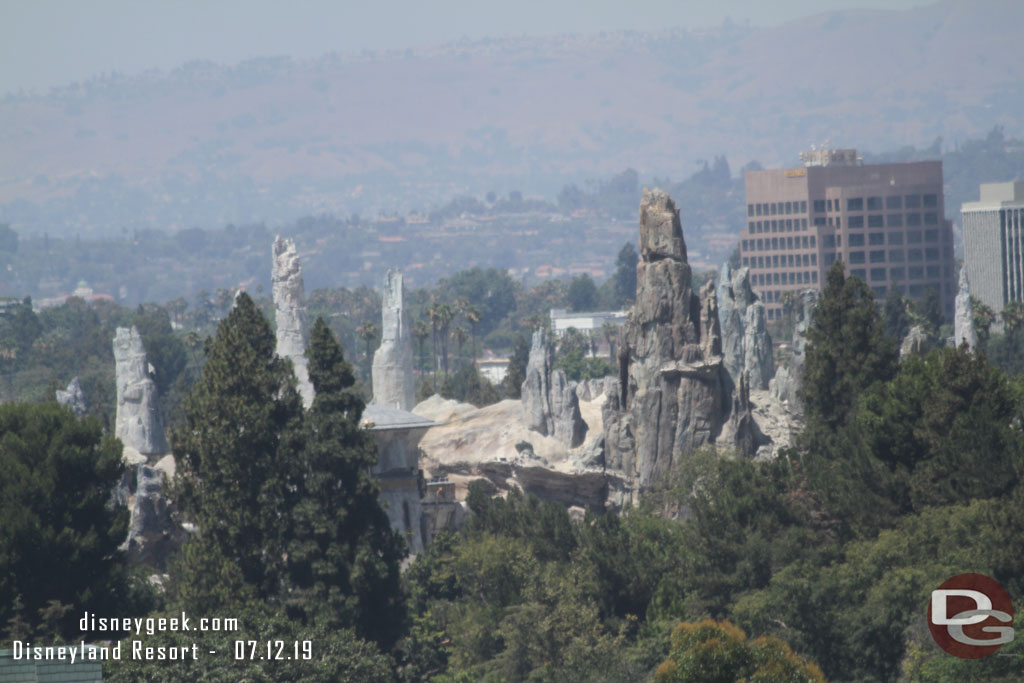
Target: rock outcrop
[
  {"x": 671, "y": 396},
  {"x": 290, "y": 313},
  {"x": 152, "y": 533},
  {"x": 746, "y": 344},
  {"x": 73, "y": 397},
  {"x": 393, "y": 361},
  {"x": 915, "y": 343},
  {"x": 138, "y": 423},
  {"x": 786, "y": 383},
  {"x": 963, "y": 321},
  {"x": 550, "y": 404}
]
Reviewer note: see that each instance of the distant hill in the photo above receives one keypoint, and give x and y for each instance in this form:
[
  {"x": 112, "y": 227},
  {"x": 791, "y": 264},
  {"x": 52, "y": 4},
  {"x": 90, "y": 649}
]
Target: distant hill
[{"x": 273, "y": 138}]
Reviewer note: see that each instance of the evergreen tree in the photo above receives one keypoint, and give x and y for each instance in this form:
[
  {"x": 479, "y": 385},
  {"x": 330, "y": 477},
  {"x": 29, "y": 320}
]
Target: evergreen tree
[
  {"x": 516, "y": 373},
  {"x": 59, "y": 536},
  {"x": 625, "y": 274},
  {"x": 847, "y": 349},
  {"x": 237, "y": 452},
  {"x": 343, "y": 556},
  {"x": 894, "y": 312}
]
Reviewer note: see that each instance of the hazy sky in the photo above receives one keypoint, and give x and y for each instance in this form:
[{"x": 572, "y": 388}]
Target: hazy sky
[{"x": 53, "y": 42}]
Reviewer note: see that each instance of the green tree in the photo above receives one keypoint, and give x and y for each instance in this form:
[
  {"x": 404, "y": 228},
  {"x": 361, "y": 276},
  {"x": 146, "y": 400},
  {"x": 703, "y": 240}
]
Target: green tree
[
  {"x": 625, "y": 274},
  {"x": 929, "y": 311},
  {"x": 343, "y": 556},
  {"x": 582, "y": 293},
  {"x": 894, "y": 313},
  {"x": 59, "y": 534},
  {"x": 516, "y": 373},
  {"x": 848, "y": 350},
  {"x": 237, "y": 449}
]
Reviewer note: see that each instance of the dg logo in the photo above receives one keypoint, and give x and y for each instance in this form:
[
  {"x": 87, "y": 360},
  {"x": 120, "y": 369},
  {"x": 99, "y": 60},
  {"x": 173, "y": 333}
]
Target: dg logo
[{"x": 971, "y": 616}]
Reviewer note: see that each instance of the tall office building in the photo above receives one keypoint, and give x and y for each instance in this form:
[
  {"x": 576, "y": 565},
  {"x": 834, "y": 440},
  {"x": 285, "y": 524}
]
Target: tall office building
[
  {"x": 994, "y": 244},
  {"x": 886, "y": 222}
]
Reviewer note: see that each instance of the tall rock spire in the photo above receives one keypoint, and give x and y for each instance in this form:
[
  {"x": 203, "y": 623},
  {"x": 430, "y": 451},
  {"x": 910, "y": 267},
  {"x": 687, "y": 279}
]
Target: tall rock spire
[
  {"x": 290, "y": 313},
  {"x": 392, "y": 363},
  {"x": 963, "y": 322},
  {"x": 138, "y": 423},
  {"x": 746, "y": 343}
]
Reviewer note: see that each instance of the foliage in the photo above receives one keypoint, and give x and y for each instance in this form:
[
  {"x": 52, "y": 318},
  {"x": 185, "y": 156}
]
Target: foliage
[
  {"x": 582, "y": 293},
  {"x": 718, "y": 652},
  {"x": 59, "y": 536},
  {"x": 468, "y": 385}
]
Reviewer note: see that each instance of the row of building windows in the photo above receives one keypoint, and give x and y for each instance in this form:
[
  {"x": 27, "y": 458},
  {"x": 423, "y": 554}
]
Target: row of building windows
[
  {"x": 877, "y": 220},
  {"x": 780, "y": 261},
  {"x": 776, "y": 208},
  {"x": 878, "y": 238},
  {"x": 773, "y": 243},
  {"x": 891, "y": 203},
  {"x": 780, "y": 225},
  {"x": 772, "y": 296}
]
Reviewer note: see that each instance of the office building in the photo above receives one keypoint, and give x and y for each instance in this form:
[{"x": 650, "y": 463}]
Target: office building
[
  {"x": 886, "y": 222},
  {"x": 994, "y": 245}
]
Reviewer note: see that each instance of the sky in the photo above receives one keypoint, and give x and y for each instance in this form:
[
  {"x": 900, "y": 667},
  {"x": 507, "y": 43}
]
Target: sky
[{"x": 46, "y": 43}]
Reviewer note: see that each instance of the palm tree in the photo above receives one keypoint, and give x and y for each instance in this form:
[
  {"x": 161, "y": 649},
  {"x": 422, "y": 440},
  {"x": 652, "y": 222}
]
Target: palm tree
[
  {"x": 434, "y": 313},
  {"x": 472, "y": 315},
  {"x": 445, "y": 315},
  {"x": 1013, "y": 318},
  {"x": 461, "y": 336},
  {"x": 611, "y": 334},
  {"x": 420, "y": 332},
  {"x": 368, "y": 332}
]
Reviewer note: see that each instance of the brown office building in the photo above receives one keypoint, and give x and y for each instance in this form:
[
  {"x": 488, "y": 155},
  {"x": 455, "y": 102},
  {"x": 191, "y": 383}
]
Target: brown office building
[{"x": 884, "y": 221}]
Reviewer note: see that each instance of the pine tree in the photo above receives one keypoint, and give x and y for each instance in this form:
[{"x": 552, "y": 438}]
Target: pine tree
[
  {"x": 848, "y": 349},
  {"x": 343, "y": 555},
  {"x": 237, "y": 452}
]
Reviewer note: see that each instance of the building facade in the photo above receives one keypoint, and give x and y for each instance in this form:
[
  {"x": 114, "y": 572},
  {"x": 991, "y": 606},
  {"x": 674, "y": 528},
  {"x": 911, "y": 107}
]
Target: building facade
[
  {"x": 886, "y": 222},
  {"x": 994, "y": 244}
]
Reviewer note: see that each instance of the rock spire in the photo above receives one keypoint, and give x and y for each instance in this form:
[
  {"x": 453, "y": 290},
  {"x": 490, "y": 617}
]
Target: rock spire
[
  {"x": 290, "y": 313},
  {"x": 963, "y": 321},
  {"x": 138, "y": 423},
  {"x": 393, "y": 361},
  {"x": 786, "y": 383},
  {"x": 746, "y": 344},
  {"x": 73, "y": 397},
  {"x": 550, "y": 404}
]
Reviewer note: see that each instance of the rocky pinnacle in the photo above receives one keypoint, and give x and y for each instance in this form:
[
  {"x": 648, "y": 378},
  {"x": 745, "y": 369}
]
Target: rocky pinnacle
[{"x": 290, "y": 313}]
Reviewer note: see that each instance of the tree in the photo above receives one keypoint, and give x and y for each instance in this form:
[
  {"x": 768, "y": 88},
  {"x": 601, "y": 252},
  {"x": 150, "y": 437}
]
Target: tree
[
  {"x": 420, "y": 333},
  {"x": 59, "y": 535},
  {"x": 894, "y": 313},
  {"x": 983, "y": 317},
  {"x": 460, "y": 340},
  {"x": 582, "y": 293},
  {"x": 847, "y": 349},
  {"x": 367, "y": 332},
  {"x": 625, "y": 275},
  {"x": 1013, "y": 319},
  {"x": 516, "y": 373},
  {"x": 237, "y": 450},
  {"x": 343, "y": 555},
  {"x": 929, "y": 311}
]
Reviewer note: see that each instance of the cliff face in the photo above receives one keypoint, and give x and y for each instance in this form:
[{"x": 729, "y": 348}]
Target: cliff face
[
  {"x": 672, "y": 393},
  {"x": 290, "y": 313},
  {"x": 392, "y": 362},
  {"x": 746, "y": 344}
]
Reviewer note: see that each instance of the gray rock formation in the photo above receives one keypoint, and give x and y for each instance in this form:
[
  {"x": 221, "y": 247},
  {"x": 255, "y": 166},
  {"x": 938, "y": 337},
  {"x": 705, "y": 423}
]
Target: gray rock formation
[
  {"x": 671, "y": 396},
  {"x": 138, "y": 423},
  {"x": 290, "y": 313},
  {"x": 393, "y": 361},
  {"x": 73, "y": 397},
  {"x": 786, "y": 383},
  {"x": 746, "y": 344},
  {"x": 550, "y": 404},
  {"x": 915, "y": 343},
  {"x": 963, "y": 322},
  {"x": 152, "y": 534}
]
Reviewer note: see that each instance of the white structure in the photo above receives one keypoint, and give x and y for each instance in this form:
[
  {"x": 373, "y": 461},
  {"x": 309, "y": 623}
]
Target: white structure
[
  {"x": 994, "y": 244},
  {"x": 586, "y": 322},
  {"x": 290, "y": 313},
  {"x": 392, "y": 363}
]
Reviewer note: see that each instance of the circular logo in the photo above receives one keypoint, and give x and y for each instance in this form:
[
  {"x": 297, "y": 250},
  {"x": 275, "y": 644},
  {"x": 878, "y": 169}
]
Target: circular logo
[{"x": 970, "y": 616}]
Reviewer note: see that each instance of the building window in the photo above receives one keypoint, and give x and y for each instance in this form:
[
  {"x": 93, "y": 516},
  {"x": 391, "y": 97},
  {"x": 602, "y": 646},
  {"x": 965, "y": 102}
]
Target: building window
[
  {"x": 931, "y": 253},
  {"x": 819, "y": 205},
  {"x": 828, "y": 202},
  {"x": 804, "y": 242},
  {"x": 775, "y": 279},
  {"x": 913, "y": 219},
  {"x": 932, "y": 272},
  {"x": 792, "y": 278},
  {"x": 856, "y": 257},
  {"x": 894, "y": 220},
  {"x": 760, "y": 262},
  {"x": 789, "y": 225},
  {"x": 895, "y": 256},
  {"x": 894, "y": 202},
  {"x": 916, "y": 272},
  {"x": 812, "y": 242},
  {"x": 912, "y": 201},
  {"x": 839, "y": 240},
  {"x": 839, "y": 222},
  {"x": 789, "y": 259},
  {"x": 914, "y": 237},
  {"x": 874, "y": 203},
  {"x": 895, "y": 238},
  {"x": 819, "y": 221},
  {"x": 877, "y": 256},
  {"x": 789, "y": 243},
  {"x": 757, "y": 209},
  {"x": 931, "y": 201},
  {"x": 879, "y": 292},
  {"x": 917, "y": 291},
  {"x": 877, "y": 274},
  {"x": 915, "y": 255},
  {"x": 814, "y": 259},
  {"x": 931, "y": 218},
  {"x": 746, "y": 261},
  {"x": 855, "y": 221},
  {"x": 774, "y": 208},
  {"x": 775, "y": 261},
  {"x": 803, "y": 206},
  {"x": 828, "y": 259},
  {"x": 856, "y": 240},
  {"x": 789, "y": 207},
  {"x": 814, "y": 276},
  {"x": 855, "y": 204},
  {"x": 760, "y": 245},
  {"x": 828, "y": 240},
  {"x": 803, "y": 222},
  {"x": 875, "y": 220},
  {"x": 896, "y": 273},
  {"x": 931, "y": 235},
  {"x": 876, "y": 238},
  {"x": 750, "y": 209},
  {"x": 859, "y": 272}
]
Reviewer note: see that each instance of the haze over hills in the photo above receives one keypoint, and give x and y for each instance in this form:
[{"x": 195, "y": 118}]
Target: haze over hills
[{"x": 274, "y": 138}]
